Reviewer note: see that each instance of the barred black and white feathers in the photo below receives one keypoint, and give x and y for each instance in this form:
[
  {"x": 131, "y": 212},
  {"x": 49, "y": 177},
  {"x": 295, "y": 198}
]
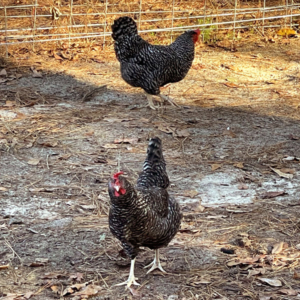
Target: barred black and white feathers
[
  {"x": 124, "y": 26},
  {"x": 151, "y": 66},
  {"x": 154, "y": 169},
  {"x": 145, "y": 214}
]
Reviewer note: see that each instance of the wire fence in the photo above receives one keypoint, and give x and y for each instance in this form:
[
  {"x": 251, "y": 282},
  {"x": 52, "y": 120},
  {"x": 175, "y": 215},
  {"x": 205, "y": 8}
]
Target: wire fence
[{"x": 59, "y": 21}]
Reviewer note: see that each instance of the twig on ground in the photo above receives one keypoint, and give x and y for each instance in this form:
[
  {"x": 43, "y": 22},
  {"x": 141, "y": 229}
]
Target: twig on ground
[{"x": 14, "y": 252}]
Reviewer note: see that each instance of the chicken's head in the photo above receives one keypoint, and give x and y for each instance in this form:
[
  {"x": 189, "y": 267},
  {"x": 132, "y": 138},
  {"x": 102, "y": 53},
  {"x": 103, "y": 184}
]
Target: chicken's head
[
  {"x": 196, "y": 32},
  {"x": 117, "y": 184}
]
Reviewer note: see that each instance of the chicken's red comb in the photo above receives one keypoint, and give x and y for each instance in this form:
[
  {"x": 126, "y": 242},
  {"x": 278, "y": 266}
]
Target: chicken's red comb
[
  {"x": 116, "y": 176},
  {"x": 197, "y": 31}
]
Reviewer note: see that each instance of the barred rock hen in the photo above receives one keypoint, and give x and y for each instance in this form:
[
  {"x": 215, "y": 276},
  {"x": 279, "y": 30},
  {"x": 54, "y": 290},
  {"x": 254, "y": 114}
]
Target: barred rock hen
[
  {"x": 152, "y": 66},
  {"x": 145, "y": 214}
]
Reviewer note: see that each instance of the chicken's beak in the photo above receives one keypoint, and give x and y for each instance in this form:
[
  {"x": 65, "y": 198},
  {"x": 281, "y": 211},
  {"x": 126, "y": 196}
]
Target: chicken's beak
[{"x": 117, "y": 188}]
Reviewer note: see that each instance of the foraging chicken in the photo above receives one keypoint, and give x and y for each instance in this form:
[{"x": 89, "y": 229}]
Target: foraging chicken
[
  {"x": 145, "y": 214},
  {"x": 152, "y": 66}
]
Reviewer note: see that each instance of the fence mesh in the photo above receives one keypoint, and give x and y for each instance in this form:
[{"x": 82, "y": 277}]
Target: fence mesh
[{"x": 59, "y": 21}]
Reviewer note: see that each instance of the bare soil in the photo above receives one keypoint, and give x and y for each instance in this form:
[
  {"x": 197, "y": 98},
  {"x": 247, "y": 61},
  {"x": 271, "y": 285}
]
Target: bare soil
[{"x": 232, "y": 152}]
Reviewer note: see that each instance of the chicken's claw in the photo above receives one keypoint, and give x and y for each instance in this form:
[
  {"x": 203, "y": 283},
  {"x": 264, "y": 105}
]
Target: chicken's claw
[
  {"x": 168, "y": 99},
  {"x": 128, "y": 282},
  {"x": 155, "y": 264},
  {"x": 131, "y": 279},
  {"x": 150, "y": 102}
]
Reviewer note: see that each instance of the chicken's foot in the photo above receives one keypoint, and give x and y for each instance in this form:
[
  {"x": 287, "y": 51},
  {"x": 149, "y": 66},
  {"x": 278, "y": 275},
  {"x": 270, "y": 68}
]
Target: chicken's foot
[
  {"x": 150, "y": 102},
  {"x": 156, "y": 263},
  {"x": 131, "y": 278},
  {"x": 165, "y": 98}
]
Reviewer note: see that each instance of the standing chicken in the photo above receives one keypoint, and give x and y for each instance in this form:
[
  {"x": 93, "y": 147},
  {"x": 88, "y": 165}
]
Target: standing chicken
[
  {"x": 152, "y": 66},
  {"x": 145, "y": 214}
]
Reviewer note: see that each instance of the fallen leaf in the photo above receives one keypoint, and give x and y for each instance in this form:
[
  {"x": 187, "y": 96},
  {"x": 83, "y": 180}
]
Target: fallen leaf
[
  {"x": 90, "y": 290},
  {"x": 229, "y": 132},
  {"x": 55, "y": 289},
  {"x": 39, "y": 262},
  {"x": 277, "y": 248},
  {"x": 268, "y": 195},
  {"x": 135, "y": 293},
  {"x": 239, "y": 165},
  {"x": 3, "y": 189},
  {"x": 10, "y": 296},
  {"x": 289, "y": 171},
  {"x": 243, "y": 186},
  {"x": 243, "y": 261},
  {"x": 271, "y": 281},
  {"x": 143, "y": 120},
  {"x": 199, "y": 208},
  {"x": 56, "y": 56},
  {"x": 47, "y": 144},
  {"x": 3, "y": 73},
  {"x": 281, "y": 174},
  {"x": 286, "y": 32},
  {"x": 33, "y": 161},
  {"x": 256, "y": 271},
  {"x": 28, "y": 295},
  {"x": 90, "y": 133},
  {"x": 165, "y": 129},
  {"x": 190, "y": 193},
  {"x": 231, "y": 85},
  {"x": 243, "y": 234},
  {"x": 77, "y": 276},
  {"x": 110, "y": 146},
  {"x": 126, "y": 141},
  {"x": 9, "y": 103},
  {"x": 182, "y": 133},
  {"x": 233, "y": 263},
  {"x": 215, "y": 166},
  {"x": 73, "y": 288},
  {"x": 112, "y": 162},
  {"x": 289, "y": 292}
]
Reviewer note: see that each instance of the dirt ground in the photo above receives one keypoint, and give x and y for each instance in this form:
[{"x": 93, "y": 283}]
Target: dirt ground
[{"x": 232, "y": 151}]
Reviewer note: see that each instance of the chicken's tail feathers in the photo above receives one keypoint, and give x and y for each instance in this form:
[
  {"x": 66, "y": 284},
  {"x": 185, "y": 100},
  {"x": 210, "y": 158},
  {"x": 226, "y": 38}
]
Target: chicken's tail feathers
[
  {"x": 154, "y": 151},
  {"x": 154, "y": 169},
  {"x": 123, "y": 26}
]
